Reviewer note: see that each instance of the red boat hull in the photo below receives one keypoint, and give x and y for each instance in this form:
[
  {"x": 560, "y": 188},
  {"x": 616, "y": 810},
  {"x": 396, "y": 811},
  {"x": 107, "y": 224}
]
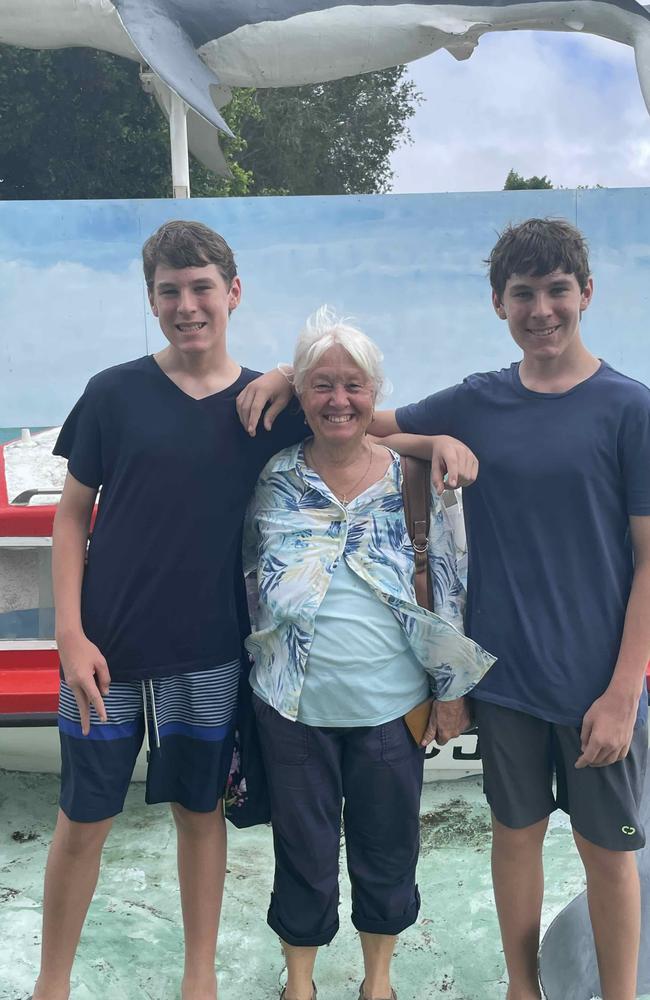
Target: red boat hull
[{"x": 29, "y": 684}]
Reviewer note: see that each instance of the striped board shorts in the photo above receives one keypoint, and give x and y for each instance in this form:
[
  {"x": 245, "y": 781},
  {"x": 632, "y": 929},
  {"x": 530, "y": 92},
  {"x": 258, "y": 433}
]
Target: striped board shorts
[{"x": 187, "y": 722}]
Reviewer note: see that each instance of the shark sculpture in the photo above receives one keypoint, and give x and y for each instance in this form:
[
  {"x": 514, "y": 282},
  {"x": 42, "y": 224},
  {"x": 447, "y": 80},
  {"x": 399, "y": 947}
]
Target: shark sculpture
[{"x": 200, "y": 48}]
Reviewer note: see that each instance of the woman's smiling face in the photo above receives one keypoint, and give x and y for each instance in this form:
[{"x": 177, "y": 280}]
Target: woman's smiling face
[{"x": 338, "y": 398}]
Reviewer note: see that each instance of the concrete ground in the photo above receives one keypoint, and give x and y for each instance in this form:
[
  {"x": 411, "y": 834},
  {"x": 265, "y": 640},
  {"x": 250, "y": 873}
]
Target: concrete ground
[{"x": 132, "y": 944}]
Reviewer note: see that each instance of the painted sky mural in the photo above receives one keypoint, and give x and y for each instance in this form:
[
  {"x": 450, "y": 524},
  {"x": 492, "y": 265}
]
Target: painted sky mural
[{"x": 407, "y": 268}]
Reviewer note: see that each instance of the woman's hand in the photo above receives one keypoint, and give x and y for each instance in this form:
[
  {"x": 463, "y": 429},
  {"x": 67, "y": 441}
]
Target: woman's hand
[
  {"x": 453, "y": 719},
  {"x": 447, "y": 720},
  {"x": 455, "y": 460},
  {"x": 275, "y": 389}
]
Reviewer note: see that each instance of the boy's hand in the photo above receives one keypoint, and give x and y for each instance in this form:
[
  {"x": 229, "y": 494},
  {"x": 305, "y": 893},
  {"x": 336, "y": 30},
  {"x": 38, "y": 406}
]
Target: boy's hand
[
  {"x": 607, "y": 730},
  {"x": 86, "y": 673},
  {"x": 273, "y": 388},
  {"x": 455, "y": 460}
]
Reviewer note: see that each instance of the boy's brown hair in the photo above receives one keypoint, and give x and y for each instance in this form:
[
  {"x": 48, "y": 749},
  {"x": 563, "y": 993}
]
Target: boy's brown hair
[
  {"x": 537, "y": 247},
  {"x": 187, "y": 244}
]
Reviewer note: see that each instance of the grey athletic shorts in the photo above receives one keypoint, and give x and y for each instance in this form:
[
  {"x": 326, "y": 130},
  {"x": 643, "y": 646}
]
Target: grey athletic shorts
[{"x": 521, "y": 753}]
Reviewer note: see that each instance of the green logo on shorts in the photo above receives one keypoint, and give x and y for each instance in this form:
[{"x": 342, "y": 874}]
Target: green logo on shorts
[{"x": 629, "y": 831}]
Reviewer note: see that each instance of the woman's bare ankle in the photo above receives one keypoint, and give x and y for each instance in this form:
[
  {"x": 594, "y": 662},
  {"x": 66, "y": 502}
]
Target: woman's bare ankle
[
  {"x": 203, "y": 988},
  {"x": 51, "y": 991},
  {"x": 299, "y": 990},
  {"x": 378, "y": 987},
  {"x": 524, "y": 993}
]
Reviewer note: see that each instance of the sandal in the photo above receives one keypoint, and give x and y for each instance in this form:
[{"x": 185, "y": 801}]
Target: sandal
[{"x": 283, "y": 995}]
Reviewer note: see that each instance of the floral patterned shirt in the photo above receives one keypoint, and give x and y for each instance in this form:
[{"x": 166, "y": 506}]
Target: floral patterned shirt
[{"x": 295, "y": 534}]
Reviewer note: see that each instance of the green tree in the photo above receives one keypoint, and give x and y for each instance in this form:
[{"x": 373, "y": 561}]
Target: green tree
[
  {"x": 515, "y": 182},
  {"x": 76, "y": 124},
  {"x": 334, "y": 138}
]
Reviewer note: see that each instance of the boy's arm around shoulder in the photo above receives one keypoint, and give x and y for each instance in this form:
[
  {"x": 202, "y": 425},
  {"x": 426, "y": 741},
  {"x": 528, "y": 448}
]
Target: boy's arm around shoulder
[
  {"x": 273, "y": 390},
  {"x": 84, "y": 667},
  {"x": 608, "y": 725},
  {"x": 449, "y": 457}
]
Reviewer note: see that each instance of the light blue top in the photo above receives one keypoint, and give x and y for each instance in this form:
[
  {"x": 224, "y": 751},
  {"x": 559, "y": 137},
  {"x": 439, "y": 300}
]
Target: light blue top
[
  {"x": 360, "y": 670},
  {"x": 296, "y": 534}
]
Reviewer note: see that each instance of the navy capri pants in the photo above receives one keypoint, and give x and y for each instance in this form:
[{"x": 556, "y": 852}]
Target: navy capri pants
[{"x": 373, "y": 774}]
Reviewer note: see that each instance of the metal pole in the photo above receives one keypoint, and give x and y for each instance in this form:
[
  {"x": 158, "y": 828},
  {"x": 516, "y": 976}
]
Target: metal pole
[{"x": 179, "y": 149}]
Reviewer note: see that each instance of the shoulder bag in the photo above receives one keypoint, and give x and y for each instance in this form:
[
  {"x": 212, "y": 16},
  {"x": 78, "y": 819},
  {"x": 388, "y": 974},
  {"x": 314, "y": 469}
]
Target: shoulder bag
[{"x": 416, "y": 494}]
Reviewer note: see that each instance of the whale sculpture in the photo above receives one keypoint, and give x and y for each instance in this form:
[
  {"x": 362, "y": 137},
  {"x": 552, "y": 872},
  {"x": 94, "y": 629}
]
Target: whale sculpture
[
  {"x": 567, "y": 957},
  {"x": 200, "y": 48}
]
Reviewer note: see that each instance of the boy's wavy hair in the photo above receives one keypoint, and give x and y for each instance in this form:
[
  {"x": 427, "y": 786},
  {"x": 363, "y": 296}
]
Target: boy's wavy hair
[
  {"x": 537, "y": 247},
  {"x": 179, "y": 243}
]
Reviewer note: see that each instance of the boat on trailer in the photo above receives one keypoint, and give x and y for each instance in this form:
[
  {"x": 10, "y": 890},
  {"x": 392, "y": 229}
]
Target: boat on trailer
[{"x": 31, "y": 483}]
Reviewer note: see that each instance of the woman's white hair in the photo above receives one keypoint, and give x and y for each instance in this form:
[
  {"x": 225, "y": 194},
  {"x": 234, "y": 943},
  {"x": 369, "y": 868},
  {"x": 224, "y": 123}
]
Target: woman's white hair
[{"x": 324, "y": 329}]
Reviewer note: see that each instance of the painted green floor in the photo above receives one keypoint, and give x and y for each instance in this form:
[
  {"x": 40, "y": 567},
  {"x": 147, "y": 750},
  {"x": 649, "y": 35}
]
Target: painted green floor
[{"x": 132, "y": 947}]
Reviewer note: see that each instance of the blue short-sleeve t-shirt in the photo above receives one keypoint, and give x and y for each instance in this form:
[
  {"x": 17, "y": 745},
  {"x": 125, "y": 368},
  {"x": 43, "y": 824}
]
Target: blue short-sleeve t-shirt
[
  {"x": 163, "y": 590},
  {"x": 550, "y": 557}
]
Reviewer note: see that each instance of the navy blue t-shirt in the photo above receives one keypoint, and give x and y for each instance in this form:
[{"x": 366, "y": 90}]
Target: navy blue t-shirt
[
  {"x": 161, "y": 589},
  {"x": 550, "y": 559}
]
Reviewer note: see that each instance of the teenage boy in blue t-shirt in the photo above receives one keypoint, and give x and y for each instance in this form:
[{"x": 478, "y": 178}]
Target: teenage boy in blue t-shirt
[
  {"x": 149, "y": 631},
  {"x": 558, "y": 589}
]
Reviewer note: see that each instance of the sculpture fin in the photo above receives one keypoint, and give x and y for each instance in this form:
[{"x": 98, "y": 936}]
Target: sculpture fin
[
  {"x": 202, "y": 139},
  {"x": 170, "y": 53},
  {"x": 204, "y": 145},
  {"x": 642, "y": 56},
  {"x": 461, "y": 50},
  {"x": 464, "y": 33}
]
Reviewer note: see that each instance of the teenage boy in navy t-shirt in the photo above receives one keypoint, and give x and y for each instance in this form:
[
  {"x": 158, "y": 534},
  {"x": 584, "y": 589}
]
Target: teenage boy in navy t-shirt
[
  {"x": 149, "y": 631},
  {"x": 558, "y": 589}
]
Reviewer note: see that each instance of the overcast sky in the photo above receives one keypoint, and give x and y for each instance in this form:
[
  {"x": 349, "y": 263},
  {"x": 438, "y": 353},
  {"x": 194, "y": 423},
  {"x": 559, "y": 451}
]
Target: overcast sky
[{"x": 568, "y": 106}]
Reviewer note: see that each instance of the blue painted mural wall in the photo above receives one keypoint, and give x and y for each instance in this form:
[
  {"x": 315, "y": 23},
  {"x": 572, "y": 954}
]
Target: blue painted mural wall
[{"x": 408, "y": 268}]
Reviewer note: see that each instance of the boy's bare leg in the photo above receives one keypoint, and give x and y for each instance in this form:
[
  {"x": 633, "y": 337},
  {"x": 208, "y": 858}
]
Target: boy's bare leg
[
  {"x": 377, "y": 955},
  {"x": 518, "y": 878},
  {"x": 300, "y": 971},
  {"x": 70, "y": 879},
  {"x": 614, "y": 897},
  {"x": 201, "y": 874}
]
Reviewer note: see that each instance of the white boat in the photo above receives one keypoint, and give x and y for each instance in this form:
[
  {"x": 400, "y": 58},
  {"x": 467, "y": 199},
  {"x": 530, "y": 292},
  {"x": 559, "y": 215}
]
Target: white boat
[{"x": 31, "y": 481}]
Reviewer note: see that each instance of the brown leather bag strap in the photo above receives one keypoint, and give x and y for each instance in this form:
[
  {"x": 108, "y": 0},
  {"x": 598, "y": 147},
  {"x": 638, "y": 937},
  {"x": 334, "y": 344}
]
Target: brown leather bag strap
[{"x": 416, "y": 494}]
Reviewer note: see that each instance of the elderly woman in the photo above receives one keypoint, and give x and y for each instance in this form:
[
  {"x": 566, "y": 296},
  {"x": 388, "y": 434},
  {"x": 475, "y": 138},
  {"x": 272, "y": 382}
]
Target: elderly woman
[{"x": 342, "y": 651}]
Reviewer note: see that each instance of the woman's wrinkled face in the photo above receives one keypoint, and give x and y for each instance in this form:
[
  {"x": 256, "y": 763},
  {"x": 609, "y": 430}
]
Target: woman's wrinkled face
[{"x": 338, "y": 398}]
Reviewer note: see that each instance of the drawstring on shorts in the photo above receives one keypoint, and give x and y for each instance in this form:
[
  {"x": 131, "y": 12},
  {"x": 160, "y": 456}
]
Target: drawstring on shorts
[{"x": 154, "y": 717}]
